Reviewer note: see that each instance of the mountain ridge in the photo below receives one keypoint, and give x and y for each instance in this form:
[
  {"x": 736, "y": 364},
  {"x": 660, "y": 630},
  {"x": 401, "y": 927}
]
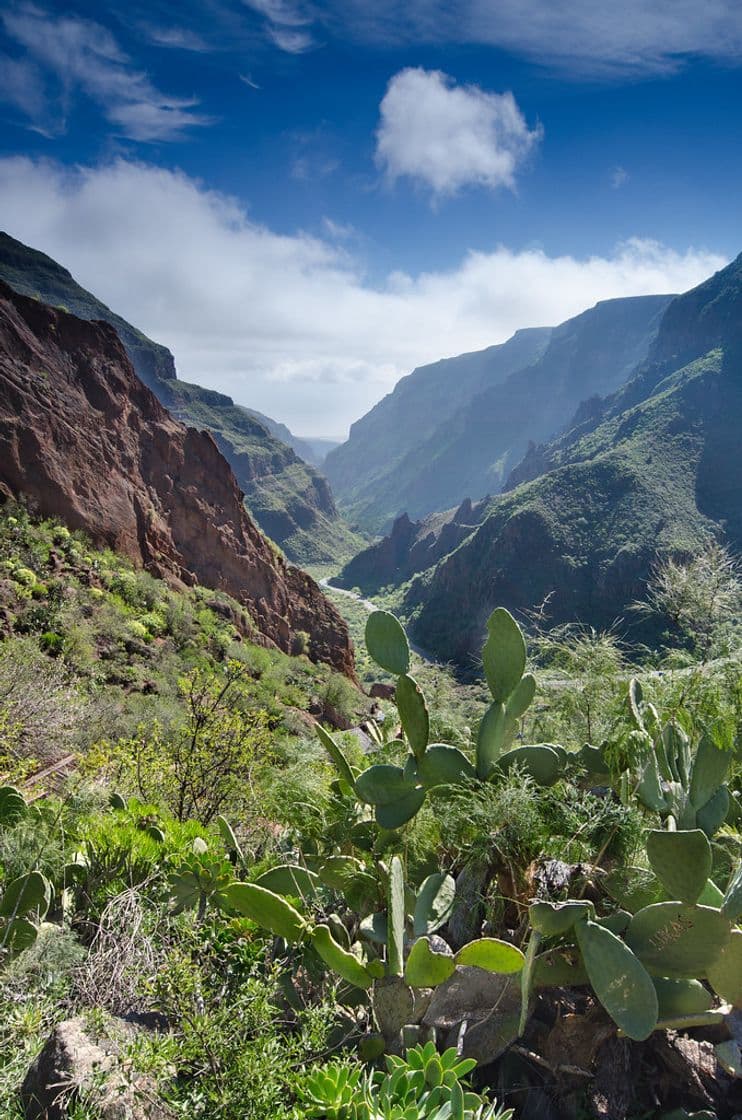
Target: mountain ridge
[
  {"x": 473, "y": 447},
  {"x": 290, "y": 500},
  {"x": 652, "y": 471}
]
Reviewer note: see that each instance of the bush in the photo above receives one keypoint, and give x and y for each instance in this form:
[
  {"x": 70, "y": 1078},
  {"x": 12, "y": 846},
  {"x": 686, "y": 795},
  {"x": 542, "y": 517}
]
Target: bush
[{"x": 205, "y": 764}]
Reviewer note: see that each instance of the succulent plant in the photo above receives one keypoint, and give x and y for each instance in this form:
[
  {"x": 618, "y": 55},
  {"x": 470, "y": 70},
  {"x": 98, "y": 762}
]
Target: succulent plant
[
  {"x": 398, "y": 792},
  {"x": 24, "y": 901}
]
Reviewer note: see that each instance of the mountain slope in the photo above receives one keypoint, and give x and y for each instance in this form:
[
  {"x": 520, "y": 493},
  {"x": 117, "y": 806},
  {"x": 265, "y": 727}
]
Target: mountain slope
[
  {"x": 472, "y": 448},
  {"x": 288, "y": 498},
  {"x": 83, "y": 439},
  {"x": 652, "y": 471},
  {"x": 364, "y": 471}
]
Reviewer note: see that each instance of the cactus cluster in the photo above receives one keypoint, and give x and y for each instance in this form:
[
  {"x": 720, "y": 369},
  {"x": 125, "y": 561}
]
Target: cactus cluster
[
  {"x": 396, "y": 793},
  {"x": 25, "y": 901},
  {"x": 424, "y": 1085},
  {"x": 395, "y": 953},
  {"x": 645, "y": 962}
]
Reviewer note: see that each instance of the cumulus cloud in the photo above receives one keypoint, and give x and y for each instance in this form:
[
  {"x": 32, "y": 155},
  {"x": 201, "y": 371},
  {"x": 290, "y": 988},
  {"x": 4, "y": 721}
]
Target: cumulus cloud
[
  {"x": 287, "y": 324},
  {"x": 83, "y": 55},
  {"x": 448, "y": 136}
]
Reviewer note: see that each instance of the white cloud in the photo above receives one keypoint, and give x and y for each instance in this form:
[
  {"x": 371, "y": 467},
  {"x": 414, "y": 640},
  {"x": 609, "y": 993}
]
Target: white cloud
[
  {"x": 619, "y": 176},
  {"x": 84, "y": 56},
  {"x": 291, "y": 41},
  {"x": 287, "y": 24},
  {"x": 287, "y": 324},
  {"x": 448, "y": 136},
  {"x": 22, "y": 84},
  {"x": 179, "y": 38},
  {"x": 582, "y": 37}
]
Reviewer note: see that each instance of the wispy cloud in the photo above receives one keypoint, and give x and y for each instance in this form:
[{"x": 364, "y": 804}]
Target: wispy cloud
[
  {"x": 447, "y": 136},
  {"x": 249, "y": 81},
  {"x": 22, "y": 84},
  {"x": 619, "y": 176},
  {"x": 290, "y": 40},
  {"x": 179, "y": 38},
  {"x": 287, "y": 24},
  {"x": 83, "y": 56},
  {"x": 288, "y": 324},
  {"x": 596, "y": 38}
]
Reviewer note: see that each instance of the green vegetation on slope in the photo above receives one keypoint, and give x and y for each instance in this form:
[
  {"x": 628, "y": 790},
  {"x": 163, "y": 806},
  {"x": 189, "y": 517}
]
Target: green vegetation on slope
[
  {"x": 651, "y": 472},
  {"x": 281, "y": 950},
  {"x": 84, "y": 625}
]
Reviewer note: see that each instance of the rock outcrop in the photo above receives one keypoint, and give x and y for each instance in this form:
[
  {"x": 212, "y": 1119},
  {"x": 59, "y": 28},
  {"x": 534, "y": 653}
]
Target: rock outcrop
[
  {"x": 73, "y": 1064},
  {"x": 86, "y": 441},
  {"x": 411, "y": 547},
  {"x": 287, "y": 497}
]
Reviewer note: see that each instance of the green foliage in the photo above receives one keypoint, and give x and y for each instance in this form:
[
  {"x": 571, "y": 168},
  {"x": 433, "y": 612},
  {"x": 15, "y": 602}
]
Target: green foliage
[
  {"x": 207, "y": 763},
  {"x": 700, "y": 599}
]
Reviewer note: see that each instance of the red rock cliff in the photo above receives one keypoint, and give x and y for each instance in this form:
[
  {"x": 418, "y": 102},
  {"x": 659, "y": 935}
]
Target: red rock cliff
[{"x": 90, "y": 444}]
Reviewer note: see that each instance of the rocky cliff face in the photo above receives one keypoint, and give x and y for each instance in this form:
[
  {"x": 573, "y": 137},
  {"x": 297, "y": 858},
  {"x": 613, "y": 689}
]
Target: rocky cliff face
[
  {"x": 411, "y": 547},
  {"x": 289, "y": 499},
  {"x": 86, "y": 441}
]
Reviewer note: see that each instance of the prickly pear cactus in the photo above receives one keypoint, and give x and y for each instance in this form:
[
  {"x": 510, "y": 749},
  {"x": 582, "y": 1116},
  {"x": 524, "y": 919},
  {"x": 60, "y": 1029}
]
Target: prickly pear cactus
[
  {"x": 398, "y": 792},
  {"x": 24, "y": 901}
]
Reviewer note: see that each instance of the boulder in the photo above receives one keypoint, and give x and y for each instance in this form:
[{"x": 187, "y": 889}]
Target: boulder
[
  {"x": 74, "y": 1061},
  {"x": 381, "y": 691}
]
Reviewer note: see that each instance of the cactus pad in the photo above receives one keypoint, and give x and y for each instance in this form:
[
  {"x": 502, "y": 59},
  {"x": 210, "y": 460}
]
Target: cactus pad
[
  {"x": 725, "y": 974},
  {"x": 289, "y": 879},
  {"x": 491, "y": 738},
  {"x": 413, "y": 713},
  {"x": 340, "y": 960},
  {"x": 383, "y": 784},
  {"x": 267, "y": 909},
  {"x": 442, "y": 765},
  {"x": 25, "y": 895},
  {"x": 541, "y": 761},
  {"x": 434, "y": 904},
  {"x": 619, "y": 980},
  {"x": 676, "y": 940},
  {"x": 709, "y": 771},
  {"x": 681, "y": 861},
  {"x": 504, "y": 654},
  {"x": 491, "y": 954},
  {"x": 679, "y": 998},
  {"x": 426, "y": 969},
  {"x": 387, "y": 643},
  {"x": 552, "y": 919},
  {"x": 341, "y": 763}
]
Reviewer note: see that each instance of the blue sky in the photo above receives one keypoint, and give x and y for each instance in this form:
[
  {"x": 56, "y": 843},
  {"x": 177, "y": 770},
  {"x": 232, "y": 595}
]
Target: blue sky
[{"x": 306, "y": 199}]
